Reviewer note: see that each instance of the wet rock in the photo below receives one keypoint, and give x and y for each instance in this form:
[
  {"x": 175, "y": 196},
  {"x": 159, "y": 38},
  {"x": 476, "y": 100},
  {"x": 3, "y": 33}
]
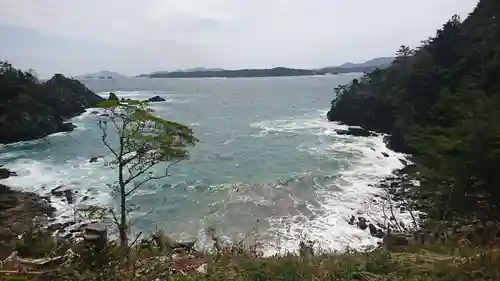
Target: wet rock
[
  {"x": 356, "y": 132},
  {"x": 422, "y": 216},
  {"x": 385, "y": 154},
  {"x": 373, "y": 229},
  {"x": 186, "y": 245},
  {"x": 75, "y": 230},
  {"x": 376, "y": 232},
  {"x": 85, "y": 198},
  {"x": 104, "y": 115},
  {"x": 70, "y": 198},
  {"x": 156, "y": 99},
  {"x": 55, "y": 226},
  {"x": 95, "y": 112},
  {"x": 5, "y": 173},
  {"x": 93, "y": 159},
  {"x": 57, "y": 192},
  {"x": 402, "y": 209},
  {"x": 67, "y": 127},
  {"x": 351, "y": 220},
  {"x": 362, "y": 223}
]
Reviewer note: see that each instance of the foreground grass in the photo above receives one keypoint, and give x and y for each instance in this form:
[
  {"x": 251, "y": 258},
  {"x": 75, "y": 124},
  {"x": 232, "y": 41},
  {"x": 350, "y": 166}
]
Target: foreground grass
[{"x": 437, "y": 262}]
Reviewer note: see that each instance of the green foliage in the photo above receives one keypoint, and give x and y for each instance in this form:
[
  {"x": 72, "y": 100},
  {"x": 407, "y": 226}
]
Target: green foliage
[
  {"x": 441, "y": 103},
  {"x": 143, "y": 141}
]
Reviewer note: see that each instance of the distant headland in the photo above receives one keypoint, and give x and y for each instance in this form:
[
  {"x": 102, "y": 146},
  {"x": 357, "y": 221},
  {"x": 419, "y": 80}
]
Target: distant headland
[{"x": 367, "y": 66}]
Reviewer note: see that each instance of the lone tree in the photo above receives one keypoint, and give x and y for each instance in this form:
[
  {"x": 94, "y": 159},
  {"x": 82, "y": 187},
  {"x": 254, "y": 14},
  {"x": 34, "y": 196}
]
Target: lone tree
[{"x": 139, "y": 142}]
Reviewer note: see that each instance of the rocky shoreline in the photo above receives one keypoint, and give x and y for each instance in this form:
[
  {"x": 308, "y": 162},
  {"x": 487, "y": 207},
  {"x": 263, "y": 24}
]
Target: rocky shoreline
[
  {"x": 398, "y": 190},
  {"x": 19, "y": 211}
]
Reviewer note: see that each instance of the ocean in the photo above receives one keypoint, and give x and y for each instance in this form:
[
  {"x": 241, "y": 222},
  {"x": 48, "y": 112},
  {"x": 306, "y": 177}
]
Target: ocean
[{"x": 269, "y": 166}]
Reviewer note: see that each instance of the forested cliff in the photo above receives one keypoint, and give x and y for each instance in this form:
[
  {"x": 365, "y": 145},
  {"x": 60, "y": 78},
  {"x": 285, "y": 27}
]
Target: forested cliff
[
  {"x": 441, "y": 103},
  {"x": 30, "y": 109}
]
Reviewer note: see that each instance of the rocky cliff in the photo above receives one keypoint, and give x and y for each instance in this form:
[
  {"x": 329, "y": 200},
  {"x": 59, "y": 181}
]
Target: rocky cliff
[{"x": 30, "y": 109}]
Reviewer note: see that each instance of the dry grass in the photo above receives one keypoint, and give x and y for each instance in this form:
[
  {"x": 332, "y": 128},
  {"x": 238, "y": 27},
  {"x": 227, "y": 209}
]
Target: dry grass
[{"x": 436, "y": 262}]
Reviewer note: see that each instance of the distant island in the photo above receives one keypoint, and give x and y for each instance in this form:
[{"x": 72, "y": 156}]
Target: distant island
[
  {"x": 101, "y": 75},
  {"x": 368, "y": 66}
]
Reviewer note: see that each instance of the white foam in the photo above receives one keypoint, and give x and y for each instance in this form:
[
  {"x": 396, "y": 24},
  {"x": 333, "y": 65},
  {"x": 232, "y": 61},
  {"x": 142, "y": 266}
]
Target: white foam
[
  {"x": 78, "y": 175},
  {"x": 367, "y": 166}
]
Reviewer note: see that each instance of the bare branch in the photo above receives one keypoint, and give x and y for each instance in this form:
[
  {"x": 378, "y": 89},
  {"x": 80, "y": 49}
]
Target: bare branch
[
  {"x": 104, "y": 126},
  {"x": 135, "y": 241},
  {"x": 141, "y": 171},
  {"x": 115, "y": 219},
  {"x": 150, "y": 178}
]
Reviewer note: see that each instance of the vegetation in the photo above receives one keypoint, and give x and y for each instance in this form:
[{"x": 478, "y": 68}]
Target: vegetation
[
  {"x": 144, "y": 141},
  {"x": 272, "y": 72},
  {"x": 30, "y": 109},
  {"x": 441, "y": 102}
]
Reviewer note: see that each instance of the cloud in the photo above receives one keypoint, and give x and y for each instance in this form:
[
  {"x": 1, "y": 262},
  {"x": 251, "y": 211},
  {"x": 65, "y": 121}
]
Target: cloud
[{"x": 135, "y": 36}]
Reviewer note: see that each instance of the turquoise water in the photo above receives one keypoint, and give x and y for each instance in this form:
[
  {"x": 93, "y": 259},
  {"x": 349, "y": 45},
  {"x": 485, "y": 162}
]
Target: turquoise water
[{"x": 268, "y": 162}]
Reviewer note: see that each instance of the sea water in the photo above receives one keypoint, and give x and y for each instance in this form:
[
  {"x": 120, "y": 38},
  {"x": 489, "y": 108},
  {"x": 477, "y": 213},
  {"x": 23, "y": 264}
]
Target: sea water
[{"x": 268, "y": 163}]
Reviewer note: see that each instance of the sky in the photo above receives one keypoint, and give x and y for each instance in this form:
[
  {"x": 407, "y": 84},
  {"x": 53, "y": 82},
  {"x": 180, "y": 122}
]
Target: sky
[{"x": 141, "y": 36}]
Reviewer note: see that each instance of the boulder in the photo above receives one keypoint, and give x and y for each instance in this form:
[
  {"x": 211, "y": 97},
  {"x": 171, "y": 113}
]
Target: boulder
[
  {"x": 95, "y": 112},
  {"x": 93, "y": 159},
  {"x": 95, "y": 235},
  {"x": 385, "y": 154},
  {"x": 68, "y": 194},
  {"x": 5, "y": 173},
  {"x": 351, "y": 220},
  {"x": 55, "y": 227},
  {"x": 67, "y": 127},
  {"x": 356, "y": 132},
  {"x": 57, "y": 192},
  {"x": 156, "y": 99},
  {"x": 362, "y": 223},
  {"x": 375, "y": 232}
]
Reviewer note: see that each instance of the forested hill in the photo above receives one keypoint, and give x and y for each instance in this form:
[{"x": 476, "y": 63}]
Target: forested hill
[
  {"x": 441, "y": 102},
  {"x": 30, "y": 109}
]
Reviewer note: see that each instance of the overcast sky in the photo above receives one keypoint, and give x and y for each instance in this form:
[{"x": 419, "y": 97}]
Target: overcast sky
[{"x": 141, "y": 36}]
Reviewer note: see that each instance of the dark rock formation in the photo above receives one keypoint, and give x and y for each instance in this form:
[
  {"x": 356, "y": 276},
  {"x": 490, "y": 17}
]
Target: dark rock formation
[
  {"x": 385, "y": 154},
  {"x": 362, "y": 223},
  {"x": 17, "y": 211},
  {"x": 5, "y": 173},
  {"x": 93, "y": 159},
  {"x": 357, "y": 132},
  {"x": 156, "y": 99},
  {"x": 30, "y": 109},
  {"x": 66, "y": 127},
  {"x": 57, "y": 192},
  {"x": 68, "y": 194}
]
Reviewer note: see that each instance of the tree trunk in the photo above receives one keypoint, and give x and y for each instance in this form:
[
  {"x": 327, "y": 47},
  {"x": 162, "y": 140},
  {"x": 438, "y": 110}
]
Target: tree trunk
[{"x": 122, "y": 228}]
